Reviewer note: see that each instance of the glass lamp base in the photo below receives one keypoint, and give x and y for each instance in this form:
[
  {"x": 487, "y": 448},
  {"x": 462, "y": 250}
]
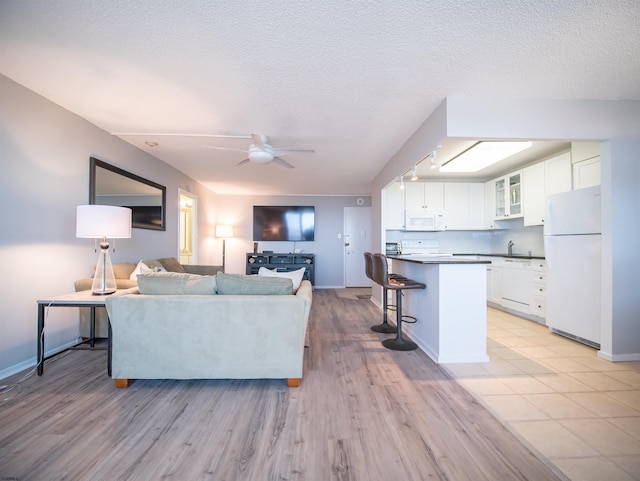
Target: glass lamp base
[{"x": 104, "y": 282}]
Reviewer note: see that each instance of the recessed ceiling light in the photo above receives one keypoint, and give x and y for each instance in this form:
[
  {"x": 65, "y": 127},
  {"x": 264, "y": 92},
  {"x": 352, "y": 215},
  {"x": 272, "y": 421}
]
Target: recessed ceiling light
[
  {"x": 483, "y": 154},
  {"x": 151, "y": 143}
]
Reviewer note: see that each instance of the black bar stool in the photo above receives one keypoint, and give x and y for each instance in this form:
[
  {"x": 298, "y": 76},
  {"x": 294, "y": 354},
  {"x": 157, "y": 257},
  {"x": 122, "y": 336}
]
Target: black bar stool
[
  {"x": 381, "y": 277},
  {"x": 385, "y": 327}
]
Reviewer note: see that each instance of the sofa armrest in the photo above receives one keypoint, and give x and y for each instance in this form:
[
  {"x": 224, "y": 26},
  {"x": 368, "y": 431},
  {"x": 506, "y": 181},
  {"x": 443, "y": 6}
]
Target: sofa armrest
[{"x": 202, "y": 269}]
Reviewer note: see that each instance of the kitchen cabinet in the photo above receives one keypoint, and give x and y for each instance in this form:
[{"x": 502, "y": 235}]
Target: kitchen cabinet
[
  {"x": 518, "y": 286},
  {"x": 533, "y": 196},
  {"x": 541, "y": 180},
  {"x": 425, "y": 196},
  {"x": 490, "y": 206},
  {"x": 557, "y": 174},
  {"x": 508, "y": 196},
  {"x": 464, "y": 206},
  {"x": 494, "y": 282},
  {"x": 586, "y": 173},
  {"x": 393, "y": 202},
  {"x": 538, "y": 305},
  {"x": 585, "y": 157}
]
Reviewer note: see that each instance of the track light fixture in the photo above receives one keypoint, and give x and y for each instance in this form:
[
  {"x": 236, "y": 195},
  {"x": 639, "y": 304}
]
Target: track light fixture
[{"x": 414, "y": 177}]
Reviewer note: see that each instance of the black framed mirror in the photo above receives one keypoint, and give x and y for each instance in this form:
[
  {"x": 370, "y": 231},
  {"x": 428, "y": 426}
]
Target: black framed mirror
[{"x": 111, "y": 185}]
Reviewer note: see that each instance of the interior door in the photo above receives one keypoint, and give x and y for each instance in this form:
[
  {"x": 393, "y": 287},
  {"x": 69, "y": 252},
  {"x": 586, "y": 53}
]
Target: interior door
[
  {"x": 357, "y": 241},
  {"x": 188, "y": 228}
]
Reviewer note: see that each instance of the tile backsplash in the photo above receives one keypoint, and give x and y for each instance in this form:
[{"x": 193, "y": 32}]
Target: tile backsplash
[{"x": 524, "y": 239}]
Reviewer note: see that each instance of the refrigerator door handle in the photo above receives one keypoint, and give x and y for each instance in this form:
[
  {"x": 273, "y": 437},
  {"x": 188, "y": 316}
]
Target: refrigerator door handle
[{"x": 547, "y": 252}]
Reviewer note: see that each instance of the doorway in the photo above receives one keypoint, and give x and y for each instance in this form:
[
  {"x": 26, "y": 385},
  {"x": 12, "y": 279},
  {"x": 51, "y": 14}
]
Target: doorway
[
  {"x": 188, "y": 228},
  {"x": 357, "y": 241}
]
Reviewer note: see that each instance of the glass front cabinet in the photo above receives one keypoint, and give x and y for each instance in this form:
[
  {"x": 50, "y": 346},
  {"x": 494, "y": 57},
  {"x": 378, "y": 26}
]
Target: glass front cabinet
[{"x": 508, "y": 196}]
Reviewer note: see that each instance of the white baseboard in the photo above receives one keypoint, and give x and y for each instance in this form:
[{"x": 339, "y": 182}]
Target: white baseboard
[
  {"x": 30, "y": 363},
  {"x": 619, "y": 357}
]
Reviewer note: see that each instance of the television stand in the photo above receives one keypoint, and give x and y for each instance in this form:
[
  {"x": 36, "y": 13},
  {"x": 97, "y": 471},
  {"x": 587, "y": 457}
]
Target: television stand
[{"x": 282, "y": 263}]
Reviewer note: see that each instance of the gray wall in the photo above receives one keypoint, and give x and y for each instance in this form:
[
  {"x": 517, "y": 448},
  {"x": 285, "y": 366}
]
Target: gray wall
[
  {"x": 44, "y": 175},
  {"x": 328, "y": 247}
]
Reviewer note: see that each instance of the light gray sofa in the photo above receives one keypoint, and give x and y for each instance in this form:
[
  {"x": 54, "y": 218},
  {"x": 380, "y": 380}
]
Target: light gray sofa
[
  {"x": 208, "y": 336},
  {"x": 122, "y": 273}
]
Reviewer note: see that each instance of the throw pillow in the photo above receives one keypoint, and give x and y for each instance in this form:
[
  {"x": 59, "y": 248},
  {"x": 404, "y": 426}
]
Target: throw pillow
[
  {"x": 171, "y": 264},
  {"x": 175, "y": 283},
  {"x": 154, "y": 264},
  {"x": 295, "y": 276},
  {"x": 143, "y": 268},
  {"x": 238, "y": 284}
]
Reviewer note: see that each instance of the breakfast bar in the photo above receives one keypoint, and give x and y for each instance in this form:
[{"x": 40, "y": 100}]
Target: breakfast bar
[{"x": 451, "y": 312}]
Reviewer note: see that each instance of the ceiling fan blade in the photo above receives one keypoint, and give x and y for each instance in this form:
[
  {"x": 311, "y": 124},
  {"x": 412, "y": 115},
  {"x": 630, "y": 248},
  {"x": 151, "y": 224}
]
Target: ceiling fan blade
[
  {"x": 258, "y": 140},
  {"x": 164, "y": 134},
  {"x": 283, "y": 163},
  {"x": 292, "y": 151},
  {"x": 242, "y": 162},
  {"x": 223, "y": 148}
]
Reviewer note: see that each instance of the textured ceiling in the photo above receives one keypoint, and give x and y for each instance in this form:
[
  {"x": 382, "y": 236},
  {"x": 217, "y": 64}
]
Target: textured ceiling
[{"x": 352, "y": 80}]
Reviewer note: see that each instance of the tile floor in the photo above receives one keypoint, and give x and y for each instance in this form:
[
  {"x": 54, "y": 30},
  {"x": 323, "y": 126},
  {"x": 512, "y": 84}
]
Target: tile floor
[{"x": 579, "y": 411}]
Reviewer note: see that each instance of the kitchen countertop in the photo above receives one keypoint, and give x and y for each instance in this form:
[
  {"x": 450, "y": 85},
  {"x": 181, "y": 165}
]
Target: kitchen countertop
[
  {"x": 513, "y": 256},
  {"x": 432, "y": 259}
]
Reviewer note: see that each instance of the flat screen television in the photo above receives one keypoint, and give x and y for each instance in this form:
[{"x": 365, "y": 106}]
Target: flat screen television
[{"x": 283, "y": 223}]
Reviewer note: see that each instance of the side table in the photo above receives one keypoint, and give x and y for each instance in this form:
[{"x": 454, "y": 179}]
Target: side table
[{"x": 75, "y": 299}]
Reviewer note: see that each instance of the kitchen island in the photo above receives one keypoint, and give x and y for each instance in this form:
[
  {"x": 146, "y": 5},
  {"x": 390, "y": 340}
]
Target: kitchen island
[{"x": 451, "y": 312}]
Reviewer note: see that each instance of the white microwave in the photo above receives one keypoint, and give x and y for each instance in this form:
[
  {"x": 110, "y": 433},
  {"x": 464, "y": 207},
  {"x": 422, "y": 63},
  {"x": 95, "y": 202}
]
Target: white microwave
[{"x": 424, "y": 221}]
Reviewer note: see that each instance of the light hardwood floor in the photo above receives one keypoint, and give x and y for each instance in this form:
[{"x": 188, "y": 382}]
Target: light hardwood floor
[{"x": 362, "y": 412}]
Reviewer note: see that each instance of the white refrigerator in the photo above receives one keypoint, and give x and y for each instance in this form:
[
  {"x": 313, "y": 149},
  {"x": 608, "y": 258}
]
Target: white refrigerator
[{"x": 573, "y": 253}]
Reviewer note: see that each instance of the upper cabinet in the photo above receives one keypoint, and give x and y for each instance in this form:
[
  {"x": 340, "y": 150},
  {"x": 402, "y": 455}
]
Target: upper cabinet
[
  {"x": 424, "y": 196},
  {"x": 541, "y": 180},
  {"x": 585, "y": 157},
  {"x": 508, "y": 196},
  {"x": 393, "y": 205},
  {"x": 464, "y": 206}
]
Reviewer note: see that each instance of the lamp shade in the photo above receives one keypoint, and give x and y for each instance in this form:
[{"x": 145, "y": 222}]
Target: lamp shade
[
  {"x": 224, "y": 231},
  {"x": 97, "y": 221}
]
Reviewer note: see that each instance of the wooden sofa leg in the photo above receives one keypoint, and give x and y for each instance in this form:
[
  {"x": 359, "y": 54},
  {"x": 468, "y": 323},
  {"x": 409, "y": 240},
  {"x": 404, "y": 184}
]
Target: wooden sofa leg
[
  {"x": 293, "y": 382},
  {"x": 123, "y": 383}
]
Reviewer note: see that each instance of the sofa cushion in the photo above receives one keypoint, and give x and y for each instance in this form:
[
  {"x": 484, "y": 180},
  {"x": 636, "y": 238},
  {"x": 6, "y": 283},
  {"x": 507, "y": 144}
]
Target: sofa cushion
[
  {"x": 295, "y": 276},
  {"x": 171, "y": 264},
  {"x": 175, "y": 283},
  {"x": 123, "y": 270},
  {"x": 238, "y": 284}
]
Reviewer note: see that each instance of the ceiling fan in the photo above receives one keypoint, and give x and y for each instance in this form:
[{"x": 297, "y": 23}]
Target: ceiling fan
[{"x": 261, "y": 152}]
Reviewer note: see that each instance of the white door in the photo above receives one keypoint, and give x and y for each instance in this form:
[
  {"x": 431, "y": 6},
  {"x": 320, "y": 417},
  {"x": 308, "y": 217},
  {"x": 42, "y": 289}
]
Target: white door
[
  {"x": 188, "y": 228},
  {"x": 357, "y": 241}
]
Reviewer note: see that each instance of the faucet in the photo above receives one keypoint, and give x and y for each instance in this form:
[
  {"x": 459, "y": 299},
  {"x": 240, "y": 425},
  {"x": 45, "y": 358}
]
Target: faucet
[{"x": 510, "y": 248}]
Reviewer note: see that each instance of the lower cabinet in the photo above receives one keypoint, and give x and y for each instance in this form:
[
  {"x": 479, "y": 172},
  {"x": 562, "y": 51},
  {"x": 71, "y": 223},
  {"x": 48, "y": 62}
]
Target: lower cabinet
[
  {"x": 494, "y": 282},
  {"x": 518, "y": 286}
]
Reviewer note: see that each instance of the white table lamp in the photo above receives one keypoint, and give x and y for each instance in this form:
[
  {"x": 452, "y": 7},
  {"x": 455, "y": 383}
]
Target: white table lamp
[
  {"x": 224, "y": 231},
  {"x": 103, "y": 222}
]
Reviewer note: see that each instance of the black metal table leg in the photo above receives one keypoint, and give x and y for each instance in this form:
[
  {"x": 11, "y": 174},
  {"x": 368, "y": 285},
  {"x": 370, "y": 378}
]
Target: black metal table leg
[{"x": 40, "y": 340}]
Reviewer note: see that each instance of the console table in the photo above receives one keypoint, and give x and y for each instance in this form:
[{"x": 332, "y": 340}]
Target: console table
[
  {"x": 282, "y": 263},
  {"x": 75, "y": 299}
]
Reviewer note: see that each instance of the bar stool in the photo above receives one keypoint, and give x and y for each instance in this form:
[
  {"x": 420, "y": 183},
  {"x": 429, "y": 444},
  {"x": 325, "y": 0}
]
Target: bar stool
[
  {"x": 381, "y": 277},
  {"x": 385, "y": 327}
]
